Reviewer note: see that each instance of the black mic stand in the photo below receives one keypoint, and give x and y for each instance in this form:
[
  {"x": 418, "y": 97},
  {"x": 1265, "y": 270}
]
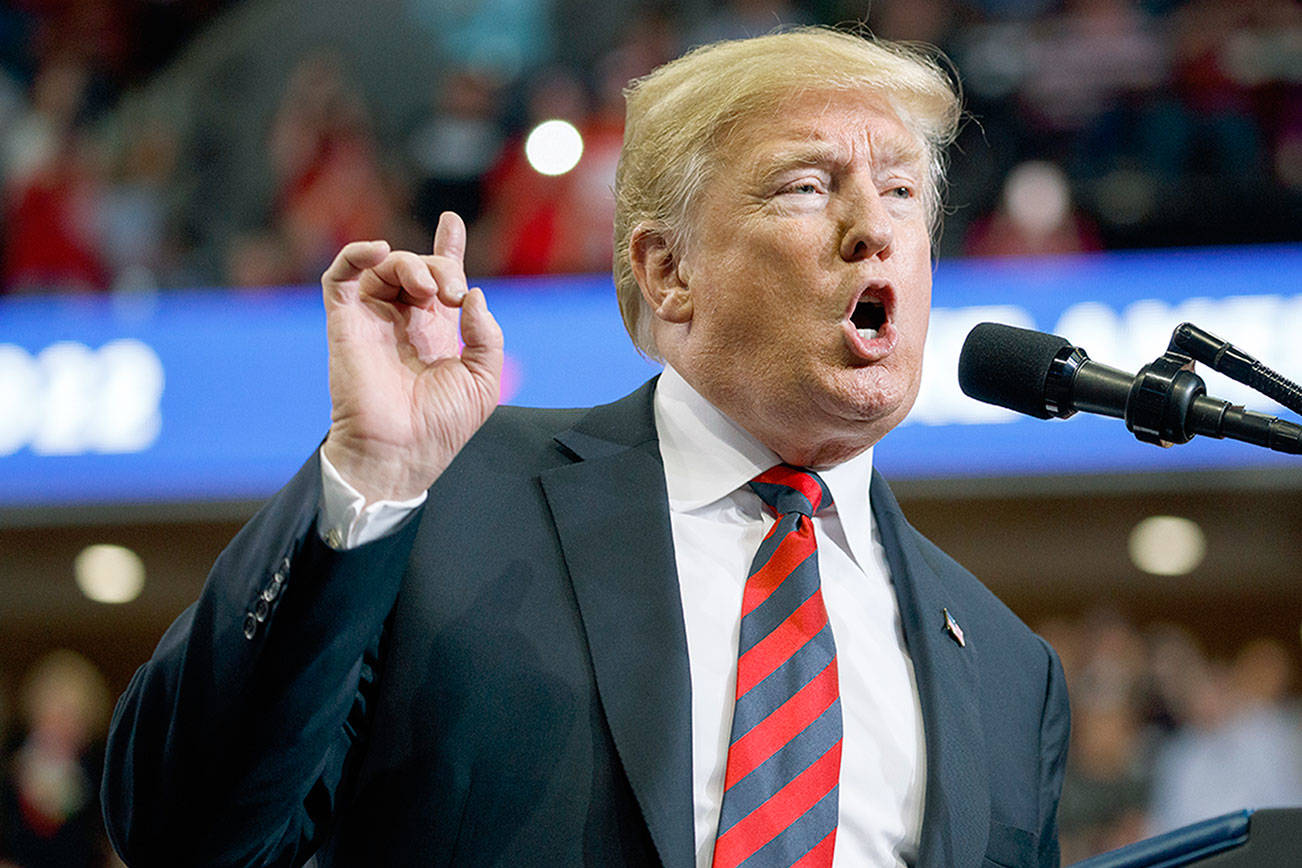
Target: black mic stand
[{"x": 1168, "y": 402}]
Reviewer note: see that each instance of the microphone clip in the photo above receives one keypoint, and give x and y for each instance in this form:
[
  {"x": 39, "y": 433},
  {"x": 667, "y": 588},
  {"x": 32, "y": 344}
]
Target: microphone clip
[
  {"x": 1159, "y": 404},
  {"x": 1168, "y": 404}
]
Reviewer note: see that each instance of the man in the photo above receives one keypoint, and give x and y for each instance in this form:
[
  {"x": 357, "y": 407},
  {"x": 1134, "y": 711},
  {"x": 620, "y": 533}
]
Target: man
[{"x": 538, "y": 663}]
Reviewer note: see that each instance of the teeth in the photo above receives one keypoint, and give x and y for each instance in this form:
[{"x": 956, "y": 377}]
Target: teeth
[{"x": 867, "y": 334}]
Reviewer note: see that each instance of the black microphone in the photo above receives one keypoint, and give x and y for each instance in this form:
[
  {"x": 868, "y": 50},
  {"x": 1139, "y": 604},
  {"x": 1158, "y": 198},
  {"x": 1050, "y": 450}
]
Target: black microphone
[{"x": 1044, "y": 376}]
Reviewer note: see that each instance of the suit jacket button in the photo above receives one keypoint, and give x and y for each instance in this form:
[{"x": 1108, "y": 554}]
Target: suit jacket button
[
  {"x": 260, "y": 611},
  {"x": 250, "y": 625},
  {"x": 271, "y": 592}
]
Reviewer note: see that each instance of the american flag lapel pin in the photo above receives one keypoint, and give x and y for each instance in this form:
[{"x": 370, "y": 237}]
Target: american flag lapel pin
[{"x": 953, "y": 629}]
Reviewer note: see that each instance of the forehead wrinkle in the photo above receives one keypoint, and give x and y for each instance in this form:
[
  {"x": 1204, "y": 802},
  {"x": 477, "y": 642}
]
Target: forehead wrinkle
[{"x": 895, "y": 144}]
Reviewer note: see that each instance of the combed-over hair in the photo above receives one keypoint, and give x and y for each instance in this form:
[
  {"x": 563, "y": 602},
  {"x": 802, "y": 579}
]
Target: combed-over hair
[{"x": 679, "y": 115}]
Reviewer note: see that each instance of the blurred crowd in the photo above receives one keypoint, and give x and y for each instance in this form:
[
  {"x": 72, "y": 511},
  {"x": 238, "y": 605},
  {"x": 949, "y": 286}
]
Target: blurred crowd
[
  {"x": 1095, "y": 124},
  {"x": 1163, "y": 735},
  {"x": 50, "y": 757}
]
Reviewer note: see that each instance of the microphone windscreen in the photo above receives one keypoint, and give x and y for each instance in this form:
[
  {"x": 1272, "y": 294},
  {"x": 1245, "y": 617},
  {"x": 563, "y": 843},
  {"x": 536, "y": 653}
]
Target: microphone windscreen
[{"x": 1008, "y": 366}]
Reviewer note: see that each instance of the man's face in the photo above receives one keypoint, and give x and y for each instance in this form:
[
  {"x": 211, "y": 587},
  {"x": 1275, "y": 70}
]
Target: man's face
[{"x": 809, "y": 273}]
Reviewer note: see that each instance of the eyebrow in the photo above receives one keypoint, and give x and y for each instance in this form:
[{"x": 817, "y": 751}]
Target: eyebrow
[{"x": 898, "y": 151}]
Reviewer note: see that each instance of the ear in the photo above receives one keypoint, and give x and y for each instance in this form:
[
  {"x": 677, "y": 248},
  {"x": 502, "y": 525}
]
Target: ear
[{"x": 659, "y": 272}]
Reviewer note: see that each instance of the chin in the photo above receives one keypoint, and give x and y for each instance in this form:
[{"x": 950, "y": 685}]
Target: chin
[{"x": 872, "y": 395}]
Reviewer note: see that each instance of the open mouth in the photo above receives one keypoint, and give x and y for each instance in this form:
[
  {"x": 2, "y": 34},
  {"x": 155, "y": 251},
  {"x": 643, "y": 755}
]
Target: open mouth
[
  {"x": 868, "y": 316},
  {"x": 869, "y": 326}
]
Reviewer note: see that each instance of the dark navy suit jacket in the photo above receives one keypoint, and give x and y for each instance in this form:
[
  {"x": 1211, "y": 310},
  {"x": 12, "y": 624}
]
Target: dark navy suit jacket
[{"x": 504, "y": 680}]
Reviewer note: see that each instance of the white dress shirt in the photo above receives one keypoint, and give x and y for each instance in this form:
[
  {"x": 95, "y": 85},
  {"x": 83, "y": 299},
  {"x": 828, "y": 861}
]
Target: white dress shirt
[{"x": 717, "y": 524}]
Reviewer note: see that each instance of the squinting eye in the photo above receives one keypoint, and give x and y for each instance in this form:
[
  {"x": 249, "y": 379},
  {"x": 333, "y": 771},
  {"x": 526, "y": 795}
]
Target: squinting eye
[
  {"x": 902, "y": 192},
  {"x": 807, "y": 187}
]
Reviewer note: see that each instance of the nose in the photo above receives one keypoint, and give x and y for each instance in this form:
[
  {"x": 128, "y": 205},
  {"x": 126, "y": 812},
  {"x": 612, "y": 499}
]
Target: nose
[{"x": 867, "y": 230}]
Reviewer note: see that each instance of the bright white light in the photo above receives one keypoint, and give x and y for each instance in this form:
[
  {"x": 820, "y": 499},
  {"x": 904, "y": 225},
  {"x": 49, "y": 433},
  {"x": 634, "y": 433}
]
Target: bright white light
[
  {"x": 553, "y": 147},
  {"x": 109, "y": 574},
  {"x": 1165, "y": 545}
]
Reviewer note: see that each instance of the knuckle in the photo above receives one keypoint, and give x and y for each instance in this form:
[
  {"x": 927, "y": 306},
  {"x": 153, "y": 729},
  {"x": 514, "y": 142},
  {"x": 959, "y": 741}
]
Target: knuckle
[{"x": 445, "y": 267}]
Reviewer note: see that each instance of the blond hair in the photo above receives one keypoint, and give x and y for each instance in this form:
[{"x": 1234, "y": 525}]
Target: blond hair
[{"x": 679, "y": 114}]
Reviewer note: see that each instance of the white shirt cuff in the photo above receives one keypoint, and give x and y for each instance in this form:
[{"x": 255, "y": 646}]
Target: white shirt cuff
[{"x": 343, "y": 519}]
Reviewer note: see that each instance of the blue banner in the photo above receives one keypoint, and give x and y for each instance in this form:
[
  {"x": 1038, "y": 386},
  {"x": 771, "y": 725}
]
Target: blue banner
[{"x": 220, "y": 395}]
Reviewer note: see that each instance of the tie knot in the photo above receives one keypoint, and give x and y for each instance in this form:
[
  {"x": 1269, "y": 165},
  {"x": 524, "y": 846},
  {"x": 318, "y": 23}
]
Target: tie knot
[{"x": 786, "y": 489}]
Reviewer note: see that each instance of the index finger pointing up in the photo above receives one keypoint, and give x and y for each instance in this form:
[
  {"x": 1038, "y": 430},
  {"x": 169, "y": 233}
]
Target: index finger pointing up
[{"x": 450, "y": 236}]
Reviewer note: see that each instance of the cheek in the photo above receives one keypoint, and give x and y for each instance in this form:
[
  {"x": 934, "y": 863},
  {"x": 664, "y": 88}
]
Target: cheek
[
  {"x": 923, "y": 317},
  {"x": 916, "y": 305}
]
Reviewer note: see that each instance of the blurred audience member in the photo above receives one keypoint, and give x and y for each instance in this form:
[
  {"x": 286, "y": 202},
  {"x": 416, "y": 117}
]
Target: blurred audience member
[
  {"x": 1106, "y": 787},
  {"x": 737, "y": 19},
  {"x": 1163, "y": 737},
  {"x": 588, "y": 201},
  {"x": 928, "y": 21},
  {"x": 133, "y": 229},
  {"x": 1243, "y": 745},
  {"x": 49, "y": 809},
  {"x": 52, "y": 191},
  {"x": 49, "y": 228},
  {"x": 1035, "y": 216},
  {"x": 1211, "y": 128},
  {"x": 453, "y": 149},
  {"x": 259, "y": 259},
  {"x": 1177, "y": 668},
  {"x": 1161, "y": 116},
  {"x": 1085, "y": 60},
  {"x": 508, "y": 37},
  {"x": 42, "y": 125},
  {"x": 522, "y": 216},
  {"x": 540, "y": 223},
  {"x": 330, "y": 185}
]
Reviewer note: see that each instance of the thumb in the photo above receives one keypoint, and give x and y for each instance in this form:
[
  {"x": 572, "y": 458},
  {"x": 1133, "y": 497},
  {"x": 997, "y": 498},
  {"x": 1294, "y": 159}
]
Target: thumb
[{"x": 482, "y": 337}]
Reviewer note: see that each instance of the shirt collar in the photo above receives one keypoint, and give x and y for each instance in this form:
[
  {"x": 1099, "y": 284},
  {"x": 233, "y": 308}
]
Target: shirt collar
[{"x": 707, "y": 456}]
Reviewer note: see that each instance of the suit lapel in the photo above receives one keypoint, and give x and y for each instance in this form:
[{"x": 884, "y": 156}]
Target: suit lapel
[
  {"x": 957, "y": 813},
  {"x": 612, "y": 517}
]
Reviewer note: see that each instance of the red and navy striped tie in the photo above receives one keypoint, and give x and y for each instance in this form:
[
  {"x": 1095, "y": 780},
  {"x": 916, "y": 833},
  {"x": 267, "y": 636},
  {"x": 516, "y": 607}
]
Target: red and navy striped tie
[{"x": 784, "y": 757}]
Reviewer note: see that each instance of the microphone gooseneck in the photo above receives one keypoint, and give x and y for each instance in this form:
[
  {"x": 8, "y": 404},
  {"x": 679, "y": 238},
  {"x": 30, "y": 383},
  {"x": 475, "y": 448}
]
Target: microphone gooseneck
[{"x": 1234, "y": 363}]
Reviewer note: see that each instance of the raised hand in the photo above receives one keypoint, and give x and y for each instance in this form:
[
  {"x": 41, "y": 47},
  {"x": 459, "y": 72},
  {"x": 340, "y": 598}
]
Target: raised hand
[{"x": 404, "y": 400}]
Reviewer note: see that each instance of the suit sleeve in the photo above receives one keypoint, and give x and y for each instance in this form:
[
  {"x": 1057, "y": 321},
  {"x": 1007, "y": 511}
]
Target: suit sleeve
[
  {"x": 230, "y": 745},
  {"x": 1055, "y": 730}
]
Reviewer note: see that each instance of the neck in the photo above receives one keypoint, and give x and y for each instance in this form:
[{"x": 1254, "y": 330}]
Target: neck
[
  {"x": 793, "y": 437},
  {"x": 815, "y": 456}
]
